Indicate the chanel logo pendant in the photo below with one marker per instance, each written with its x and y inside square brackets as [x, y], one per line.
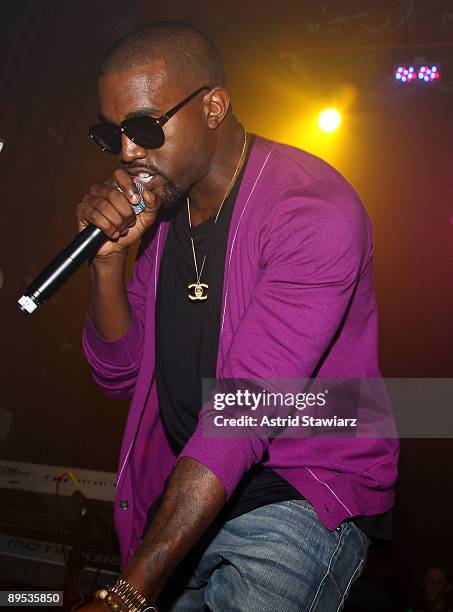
[197, 291]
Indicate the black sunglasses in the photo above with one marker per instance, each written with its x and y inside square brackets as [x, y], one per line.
[144, 131]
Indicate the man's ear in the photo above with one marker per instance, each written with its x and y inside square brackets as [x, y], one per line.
[217, 104]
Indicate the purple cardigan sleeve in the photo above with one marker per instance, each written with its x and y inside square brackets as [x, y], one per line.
[115, 364]
[313, 249]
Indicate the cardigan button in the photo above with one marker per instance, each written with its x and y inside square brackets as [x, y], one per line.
[124, 504]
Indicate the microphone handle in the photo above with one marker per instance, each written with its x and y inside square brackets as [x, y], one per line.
[84, 246]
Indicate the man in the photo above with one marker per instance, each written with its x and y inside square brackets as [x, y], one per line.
[436, 590]
[255, 261]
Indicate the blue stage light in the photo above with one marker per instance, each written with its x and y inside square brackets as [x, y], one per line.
[421, 73]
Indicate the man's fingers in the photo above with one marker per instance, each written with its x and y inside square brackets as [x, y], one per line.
[111, 203]
[108, 206]
[124, 181]
[113, 194]
[92, 213]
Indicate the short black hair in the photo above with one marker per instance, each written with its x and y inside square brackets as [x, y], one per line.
[189, 53]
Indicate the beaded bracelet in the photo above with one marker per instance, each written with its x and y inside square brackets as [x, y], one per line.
[124, 594]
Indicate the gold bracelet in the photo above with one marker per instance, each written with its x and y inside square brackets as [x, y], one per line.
[124, 594]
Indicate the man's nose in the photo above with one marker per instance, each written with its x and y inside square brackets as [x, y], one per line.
[130, 150]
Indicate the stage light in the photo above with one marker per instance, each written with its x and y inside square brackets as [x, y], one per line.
[329, 120]
[420, 73]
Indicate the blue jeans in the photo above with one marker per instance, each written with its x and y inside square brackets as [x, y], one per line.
[277, 558]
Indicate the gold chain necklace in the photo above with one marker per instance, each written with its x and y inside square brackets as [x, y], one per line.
[198, 290]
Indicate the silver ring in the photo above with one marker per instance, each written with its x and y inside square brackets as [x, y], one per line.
[137, 208]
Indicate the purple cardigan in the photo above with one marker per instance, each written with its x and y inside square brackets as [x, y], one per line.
[297, 297]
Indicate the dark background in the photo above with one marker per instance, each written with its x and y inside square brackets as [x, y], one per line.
[286, 60]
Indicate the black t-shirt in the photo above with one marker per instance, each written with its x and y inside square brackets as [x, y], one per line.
[187, 340]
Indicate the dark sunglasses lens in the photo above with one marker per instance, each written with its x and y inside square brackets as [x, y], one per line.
[145, 132]
[106, 137]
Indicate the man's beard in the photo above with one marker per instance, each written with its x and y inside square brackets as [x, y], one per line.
[172, 196]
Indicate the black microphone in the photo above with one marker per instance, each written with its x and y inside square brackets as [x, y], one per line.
[84, 246]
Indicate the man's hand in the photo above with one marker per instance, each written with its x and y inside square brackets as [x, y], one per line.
[108, 208]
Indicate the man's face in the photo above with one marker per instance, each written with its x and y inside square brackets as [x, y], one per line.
[435, 585]
[183, 159]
